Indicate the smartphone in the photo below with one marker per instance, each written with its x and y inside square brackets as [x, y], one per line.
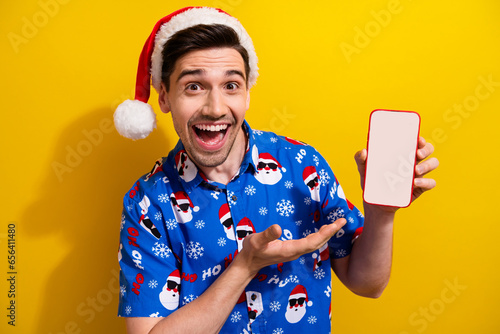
[390, 164]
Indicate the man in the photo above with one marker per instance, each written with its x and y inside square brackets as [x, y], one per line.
[237, 229]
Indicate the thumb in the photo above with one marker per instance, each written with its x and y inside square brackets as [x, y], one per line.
[360, 158]
[271, 233]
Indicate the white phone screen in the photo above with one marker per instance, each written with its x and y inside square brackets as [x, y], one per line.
[390, 164]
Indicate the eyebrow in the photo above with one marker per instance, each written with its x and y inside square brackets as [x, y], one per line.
[200, 72]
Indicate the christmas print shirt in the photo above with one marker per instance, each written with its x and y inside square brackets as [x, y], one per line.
[180, 231]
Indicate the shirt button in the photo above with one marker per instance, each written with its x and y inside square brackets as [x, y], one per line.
[234, 198]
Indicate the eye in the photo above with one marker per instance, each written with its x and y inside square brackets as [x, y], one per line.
[231, 86]
[193, 87]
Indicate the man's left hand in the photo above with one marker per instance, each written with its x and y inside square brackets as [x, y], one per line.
[424, 166]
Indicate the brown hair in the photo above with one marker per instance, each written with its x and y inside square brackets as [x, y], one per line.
[199, 37]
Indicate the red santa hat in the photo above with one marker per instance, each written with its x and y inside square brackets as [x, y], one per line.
[245, 224]
[224, 213]
[182, 198]
[300, 292]
[268, 158]
[175, 276]
[309, 174]
[135, 119]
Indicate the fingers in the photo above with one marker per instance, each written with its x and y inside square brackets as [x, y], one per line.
[316, 240]
[426, 167]
[424, 150]
[424, 184]
[260, 240]
[360, 158]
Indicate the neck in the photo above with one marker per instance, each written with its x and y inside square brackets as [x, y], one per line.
[225, 172]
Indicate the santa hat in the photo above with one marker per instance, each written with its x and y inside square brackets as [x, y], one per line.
[175, 276]
[268, 158]
[309, 174]
[182, 198]
[300, 292]
[224, 213]
[135, 119]
[245, 224]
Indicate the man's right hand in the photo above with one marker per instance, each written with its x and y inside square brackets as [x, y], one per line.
[264, 249]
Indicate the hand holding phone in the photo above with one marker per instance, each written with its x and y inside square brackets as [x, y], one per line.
[390, 163]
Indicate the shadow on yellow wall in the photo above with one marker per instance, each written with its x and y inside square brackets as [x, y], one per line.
[79, 205]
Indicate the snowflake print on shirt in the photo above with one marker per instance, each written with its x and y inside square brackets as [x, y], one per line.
[288, 185]
[221, 242]
[161, 250]
[263, 211]
[319, 273]
[123, 290]
[171, 224]
[188, 299]
[153, 284]
[274, 306]
[158, 215]
[163, 198]
[312, 319]
[128, 310]
[285, 208]
[250, 190]
[231, 198]
[324, 178]
[341, 253]
[316, 159]
[334, 215]
[236, 316]
[278, 331]
[194, 250]
[199, 224]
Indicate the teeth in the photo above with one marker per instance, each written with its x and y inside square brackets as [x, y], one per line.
[205, 127]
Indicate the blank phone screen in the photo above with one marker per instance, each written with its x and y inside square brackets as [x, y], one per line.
[390, 164]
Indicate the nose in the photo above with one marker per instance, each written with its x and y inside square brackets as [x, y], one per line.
[215, 106]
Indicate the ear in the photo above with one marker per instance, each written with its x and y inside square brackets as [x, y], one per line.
[163, 99]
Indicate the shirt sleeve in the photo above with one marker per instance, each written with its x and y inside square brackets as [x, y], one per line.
[145, 259]
[335, 205]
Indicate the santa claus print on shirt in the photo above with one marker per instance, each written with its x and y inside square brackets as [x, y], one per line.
[144, 220]
[169, 295]
[254, 305]
[324, 254]
[243, 229]
[268, 168]
[183, 207]
[186, 168]
[298, 301]
[227, 221]
[311, 179]
[158, 167]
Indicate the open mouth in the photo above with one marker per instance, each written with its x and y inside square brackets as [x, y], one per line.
[211, 135]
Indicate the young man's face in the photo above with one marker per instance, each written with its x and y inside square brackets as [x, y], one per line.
[208, 98]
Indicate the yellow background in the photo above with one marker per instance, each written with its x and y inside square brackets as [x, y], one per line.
[323, 68]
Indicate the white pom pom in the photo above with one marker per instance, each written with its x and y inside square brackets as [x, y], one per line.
[309, 303]
[134, 119]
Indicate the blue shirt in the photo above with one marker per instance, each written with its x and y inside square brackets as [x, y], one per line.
[180, 231]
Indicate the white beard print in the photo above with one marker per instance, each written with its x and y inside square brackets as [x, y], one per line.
[295, 314]
[169, 299]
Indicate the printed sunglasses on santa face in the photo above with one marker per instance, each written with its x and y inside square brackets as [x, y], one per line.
[313, 183]
[263, 165]
[243, 233]
[184, 207]
[294, 301]
[171, 285]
